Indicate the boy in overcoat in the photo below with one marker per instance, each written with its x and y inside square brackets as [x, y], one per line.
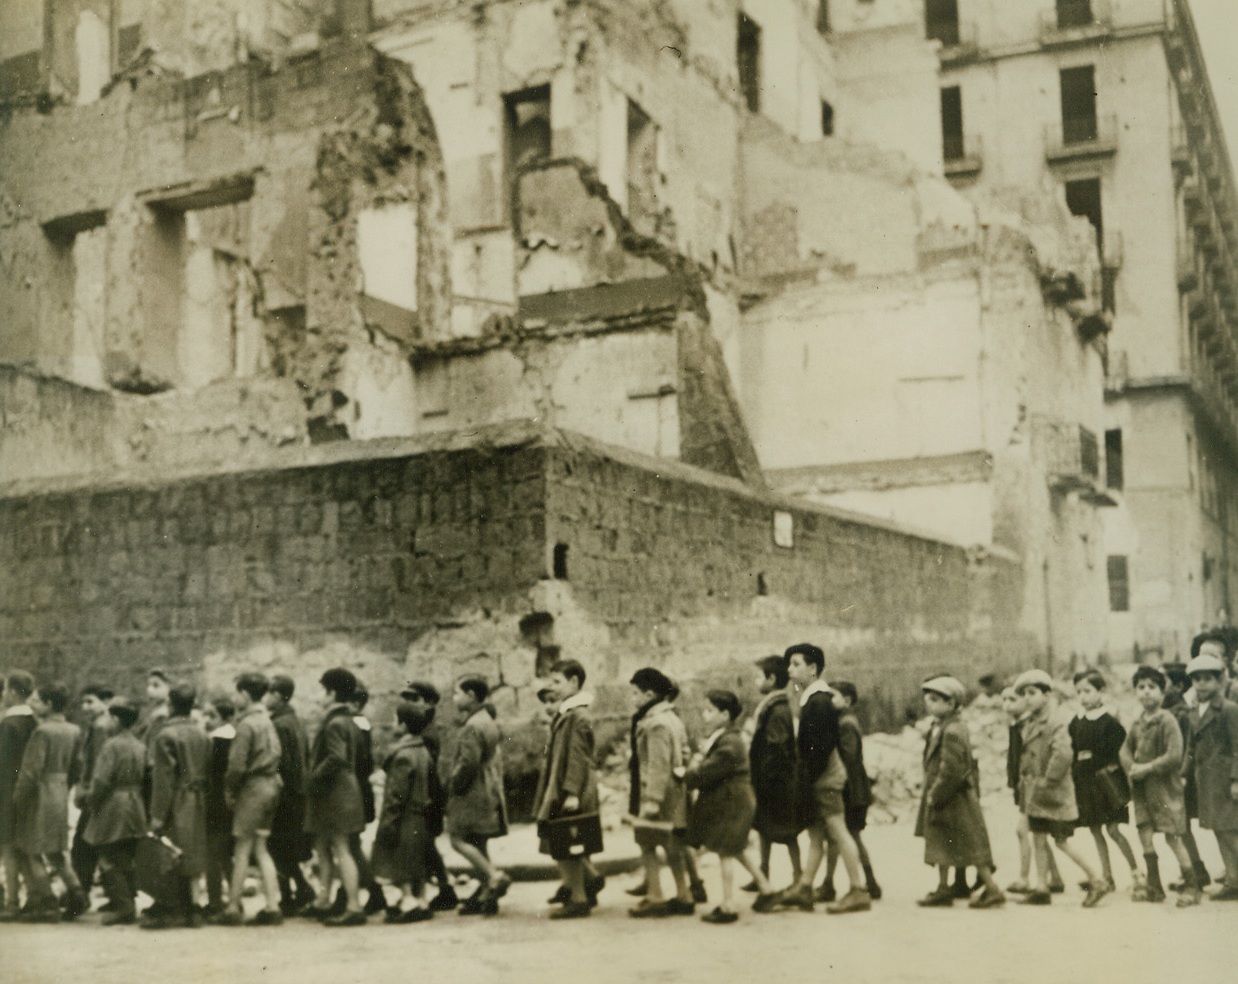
[425, 696]
[476, 804]
[568, 784]
[117, 813]
[48, 771]
[181, 753]
[820, 780]
[1046, 789]
[16, 726]
[333, 811]
[98, 729]
[950, 819]
[1214, 759]
[771, 761]
[375, 901]
[1177, 685]
[289, 844]
[217, 718]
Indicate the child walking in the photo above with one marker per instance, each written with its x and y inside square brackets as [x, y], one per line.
[1101, 790]
[1177, 685]
[217, 716]
[950, 819]
[1214, 762]
[721, 816]
[1046, 792]
[1152, 757]
[771, 760]
[857, 794]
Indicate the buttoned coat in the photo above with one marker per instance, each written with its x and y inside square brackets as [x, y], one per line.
[288, 828]
[476, 803]
[403, 838]
[114, 798]
[1155, 740]
[15, 732]
[180, 758]
[661, 748]
[771, 763]
[569, 768]
[950, 818]
[1213, 757]
[333, 795]
[48, 770]
[1046, 789]
[721, 816]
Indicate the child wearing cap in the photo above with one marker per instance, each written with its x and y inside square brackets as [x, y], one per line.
[1046, 791]
[1152, 757]
[1214, 760]
[1177, 687]
[425, 696]
[950, 819]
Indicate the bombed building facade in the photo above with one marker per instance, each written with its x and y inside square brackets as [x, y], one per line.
[431, 337]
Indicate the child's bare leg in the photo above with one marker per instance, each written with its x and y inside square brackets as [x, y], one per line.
[749, 860]
[1184, 860]
[985, 871]
[574, 877]
[653, 874]
[726, 869]
[1025, 851]
[326, 872]
[1102, 850]
[840, 838]
[831, 863]
[816, 851]
[1064, 845]
[943, 878]
[766, 847]
[1114, 831]
[683, 868]
[1040, 846]
[793, 854]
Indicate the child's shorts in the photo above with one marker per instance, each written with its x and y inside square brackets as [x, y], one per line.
[255, 806]
[1057, 829]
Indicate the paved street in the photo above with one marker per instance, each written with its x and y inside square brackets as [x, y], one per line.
[898, 942]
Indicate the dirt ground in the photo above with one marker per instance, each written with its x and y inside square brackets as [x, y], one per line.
[897, 942]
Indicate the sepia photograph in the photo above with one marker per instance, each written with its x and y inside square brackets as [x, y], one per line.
[538, 491]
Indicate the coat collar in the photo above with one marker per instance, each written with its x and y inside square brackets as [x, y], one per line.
[19, 710]
[660, 709]
[818, 686]
[579, 699]
[1211, 710]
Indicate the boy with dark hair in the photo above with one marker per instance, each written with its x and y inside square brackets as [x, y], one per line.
[424, 696]
[16, 727]
[771, 762]
[251, 787]
[117, 814]
[1213, 758]
[289, 845]
[333, 810]
[1177, 686]
[41, 800]
[157, 710]
[375, 901]
[857, 794]
[217, 717]
[181, 753]
[820, 780]
[98, 729]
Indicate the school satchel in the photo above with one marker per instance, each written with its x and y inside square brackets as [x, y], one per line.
[1114, 790]
[155, 862]
[572, 836]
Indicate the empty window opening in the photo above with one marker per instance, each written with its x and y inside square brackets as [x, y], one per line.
[527, 127]
[762, 586]
[748, 56]
[642, 169]
[1084, 200]
[1074, 13]
[827, 119]
[560, 562]
[1119, 584]
[952, 143]
[537, 631]
[77, 301]
[93, 40]
[1114, 477]
[823, 16]
[128, 44]
[1078, 104]
[941, 21]
[387, 252]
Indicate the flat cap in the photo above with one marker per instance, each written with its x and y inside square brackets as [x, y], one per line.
[946, 686]
[1205, 663]
[1033, 678]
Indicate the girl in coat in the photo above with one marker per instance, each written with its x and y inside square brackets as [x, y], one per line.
[476, 805]
[403, 840]
[721, 816]
[48, 770]
[333, 807]
[117, 813]
[1096, 737]
[1152, 757]
[950, 820]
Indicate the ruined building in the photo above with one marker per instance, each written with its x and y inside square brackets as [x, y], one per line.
[432, 337]
[1109, 103]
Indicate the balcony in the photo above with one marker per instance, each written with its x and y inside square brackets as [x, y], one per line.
[1080, 137]
[1070, 452]
[958, 39]
[1188, 268]
[963, 155]
[1192, 196]
[1075, 22]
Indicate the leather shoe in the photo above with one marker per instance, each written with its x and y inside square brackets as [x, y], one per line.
[573, 910]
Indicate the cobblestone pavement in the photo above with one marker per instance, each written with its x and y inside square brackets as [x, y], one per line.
[897, 942]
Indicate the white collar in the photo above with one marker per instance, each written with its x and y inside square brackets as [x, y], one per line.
[361, 721]
[19, 710]
[224, 731]
[709, 742]
[578, 699]
[818, 686]
[1095, 714]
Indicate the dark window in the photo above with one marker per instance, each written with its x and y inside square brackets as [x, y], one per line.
[128, 44]
[952, 123]
[941, 21]
[560, 562]
[1078, 104]
[823, 16]
[1114, 478]
[827, 119]
[1083, 199]
[1119, 584]
[528, 126]
[748, 55]
[20, 74]
[1074, 13]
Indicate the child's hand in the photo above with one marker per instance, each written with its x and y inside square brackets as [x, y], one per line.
[571, 804]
